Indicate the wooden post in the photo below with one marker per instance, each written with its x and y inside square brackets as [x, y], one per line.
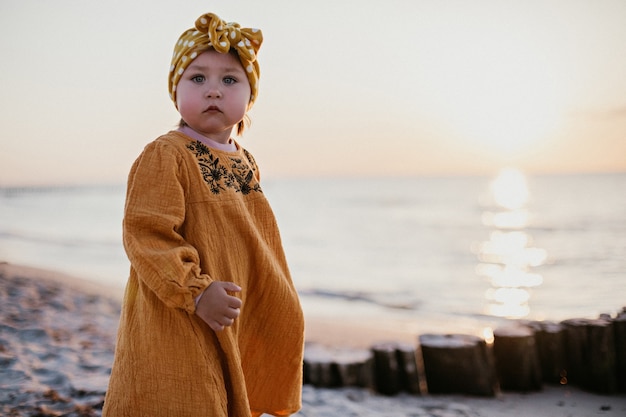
[456, 363]
[576, 345]
[395, 368]
[409, 372]
[337, 367]
[591, 359]
[619, 325]
[517, 361]
[386, 369]
[317, 369]
[354, 367]
[550, 340]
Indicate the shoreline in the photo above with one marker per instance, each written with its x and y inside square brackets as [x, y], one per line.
[57, 335]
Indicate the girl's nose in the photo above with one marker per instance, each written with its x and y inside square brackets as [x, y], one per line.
[213, 91]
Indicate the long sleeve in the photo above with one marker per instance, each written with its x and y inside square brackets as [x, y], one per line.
[154, 215]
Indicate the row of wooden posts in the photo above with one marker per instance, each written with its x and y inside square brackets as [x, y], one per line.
[587, 353]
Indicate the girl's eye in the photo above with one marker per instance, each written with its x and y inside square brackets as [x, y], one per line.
[197, 78]
[229, 80]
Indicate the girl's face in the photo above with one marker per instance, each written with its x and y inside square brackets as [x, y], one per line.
[213, 95]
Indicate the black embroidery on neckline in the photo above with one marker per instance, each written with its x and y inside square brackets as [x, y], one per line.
[218, 177]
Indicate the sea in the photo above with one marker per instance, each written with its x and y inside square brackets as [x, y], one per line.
[423, 254]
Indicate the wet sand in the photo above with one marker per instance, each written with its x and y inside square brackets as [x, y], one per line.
[57, 337]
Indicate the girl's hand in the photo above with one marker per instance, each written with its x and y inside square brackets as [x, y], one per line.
[216, 307]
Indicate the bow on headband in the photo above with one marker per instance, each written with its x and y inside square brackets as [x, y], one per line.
[213, 32]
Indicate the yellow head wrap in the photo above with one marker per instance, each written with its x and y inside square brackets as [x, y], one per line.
[213, 32]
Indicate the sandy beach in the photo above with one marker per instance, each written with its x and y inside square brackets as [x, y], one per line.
[57, 337]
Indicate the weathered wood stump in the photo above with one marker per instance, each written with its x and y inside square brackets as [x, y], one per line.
[457, 363]
[591, 358]
[619, 325]
[395, 368]
[517, 359]
[317, 369]
[550, 340]
[386, 369]
[409, 370]
[337, 367]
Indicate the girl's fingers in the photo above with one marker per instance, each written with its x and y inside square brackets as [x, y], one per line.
[220, 325]
[233, 313]
[234, 302]
[231, 286]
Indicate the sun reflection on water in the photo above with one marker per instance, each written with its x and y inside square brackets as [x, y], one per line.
[507, 258]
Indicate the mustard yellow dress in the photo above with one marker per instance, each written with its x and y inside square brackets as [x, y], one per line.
[195, 215]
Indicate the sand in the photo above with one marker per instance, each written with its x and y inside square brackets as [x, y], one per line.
[57, 337]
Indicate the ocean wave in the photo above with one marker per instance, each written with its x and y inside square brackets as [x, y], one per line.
[388, 300]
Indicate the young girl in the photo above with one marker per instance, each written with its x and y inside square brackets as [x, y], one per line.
[211, 323]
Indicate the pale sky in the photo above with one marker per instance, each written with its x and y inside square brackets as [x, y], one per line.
[358, 87]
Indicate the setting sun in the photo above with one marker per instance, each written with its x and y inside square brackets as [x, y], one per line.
[502, 91]
[509, 189]
[508, 108]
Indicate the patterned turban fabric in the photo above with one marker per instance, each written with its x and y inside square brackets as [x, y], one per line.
[212, 32]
